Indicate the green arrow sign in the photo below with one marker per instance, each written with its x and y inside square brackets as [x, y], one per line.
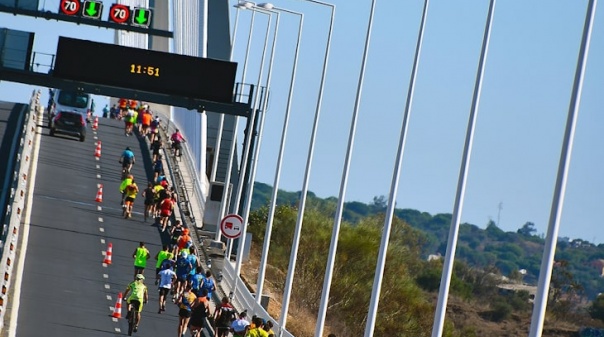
[92, 9]
[141, 17]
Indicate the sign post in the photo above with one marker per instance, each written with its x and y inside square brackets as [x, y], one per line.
[231, 226]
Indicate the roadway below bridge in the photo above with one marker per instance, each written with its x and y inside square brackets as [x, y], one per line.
[65, 289]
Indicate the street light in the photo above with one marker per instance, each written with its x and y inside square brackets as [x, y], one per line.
[273, 202]
[298, 229]
[227, 182]
[257, 105]
[221, 117]
[379, 270]
[445, 279]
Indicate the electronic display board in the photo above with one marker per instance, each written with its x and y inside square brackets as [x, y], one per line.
[146, 70]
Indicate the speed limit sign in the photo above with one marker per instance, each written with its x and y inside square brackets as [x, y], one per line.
[231, 226]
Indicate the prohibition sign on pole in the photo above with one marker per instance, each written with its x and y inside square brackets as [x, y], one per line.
[231, 226]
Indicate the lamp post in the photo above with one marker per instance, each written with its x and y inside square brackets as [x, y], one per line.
[257, 105]
[221, 117]
[273, 201]
[445, 280]
[227, 181]
[298, 228]
[547, 261]
[379, 270]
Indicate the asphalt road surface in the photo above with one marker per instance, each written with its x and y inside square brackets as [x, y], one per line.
[65, 289]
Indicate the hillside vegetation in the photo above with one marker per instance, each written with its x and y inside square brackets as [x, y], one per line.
[410, 283]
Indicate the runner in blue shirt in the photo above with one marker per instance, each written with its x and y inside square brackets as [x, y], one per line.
[183, 268]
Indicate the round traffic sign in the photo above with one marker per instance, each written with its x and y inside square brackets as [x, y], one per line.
[70, 7]
[231, 226]
[119, 13]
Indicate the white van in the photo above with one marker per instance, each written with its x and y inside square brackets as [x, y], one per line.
[72, 101]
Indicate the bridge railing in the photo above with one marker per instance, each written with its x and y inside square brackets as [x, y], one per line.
[15, 204]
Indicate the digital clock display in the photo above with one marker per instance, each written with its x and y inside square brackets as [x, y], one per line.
[145, 70]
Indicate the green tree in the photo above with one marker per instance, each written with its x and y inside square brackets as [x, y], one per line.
[527, 229]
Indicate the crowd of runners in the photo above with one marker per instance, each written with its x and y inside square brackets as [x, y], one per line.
[178, 274]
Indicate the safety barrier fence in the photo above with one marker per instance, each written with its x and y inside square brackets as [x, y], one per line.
[16, 202]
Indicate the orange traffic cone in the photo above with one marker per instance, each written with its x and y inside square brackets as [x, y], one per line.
[99, 194]
[117, 310]
[95, 124]
[108, 254]
[97, 151]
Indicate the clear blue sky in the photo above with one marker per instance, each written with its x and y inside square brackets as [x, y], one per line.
[521, 118]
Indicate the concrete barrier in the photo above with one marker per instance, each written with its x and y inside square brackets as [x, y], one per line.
[10, 229]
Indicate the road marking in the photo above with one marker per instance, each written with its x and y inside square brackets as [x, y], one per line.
[107, 286]
[103, 241]
[95, 137]
[104, 265]
[97, 158]
[98, 166]
[106, 276]
[103, 253]
[118, 330]
[99, 185]
[115, 320]
[98, 176]
[100, 219]
[99, 208]
[108, 297]
[102, 230]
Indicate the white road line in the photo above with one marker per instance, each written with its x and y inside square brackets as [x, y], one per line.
[95, 137]
[98, 166]
[99, 208]
[98, 176]
[107, 286]
[103, 253]
[103, 241]
[101, 229]
[105, 276]
[108, 297]
[97, 158]
[118, 330]
[115, 320]
[99, 185]
[104, 265]
[100, 219]
[18, 276]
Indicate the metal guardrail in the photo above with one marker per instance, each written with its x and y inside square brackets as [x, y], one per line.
[16, 203]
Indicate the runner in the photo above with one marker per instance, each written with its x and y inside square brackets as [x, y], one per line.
[166, 277]
[196, 280]
[146, 118]
[131, 192]
[155, 146]
[186, 303]
[223, 318]
[158, 168]
[140, 256]
[240, 326]
[149, 195]
[161, 256]
[154, 128]
[127, 181]
[199, 314]
[183, 267]
[175, 232]
[165, 206]
[127, 159]
[208, 284]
